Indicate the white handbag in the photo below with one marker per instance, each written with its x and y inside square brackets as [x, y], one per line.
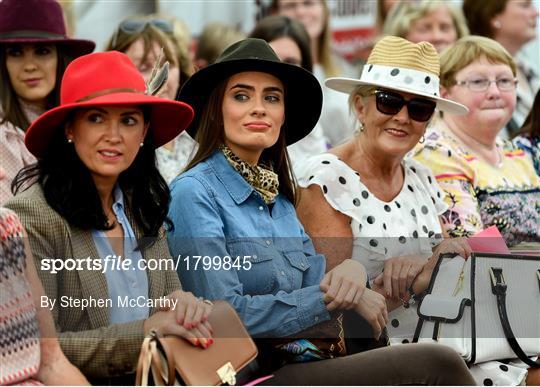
[486, 307]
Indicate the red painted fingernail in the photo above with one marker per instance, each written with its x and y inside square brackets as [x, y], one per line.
[196, 341]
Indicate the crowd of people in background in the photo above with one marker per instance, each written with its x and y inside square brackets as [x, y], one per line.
[342, 183]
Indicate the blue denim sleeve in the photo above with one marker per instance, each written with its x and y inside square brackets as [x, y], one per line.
[199, 230]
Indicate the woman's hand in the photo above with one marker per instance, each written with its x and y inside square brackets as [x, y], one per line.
[372, 307]
[190, 310]
[189, 319]
[344, 285]
[399, 274]
[421, 282]
[458, 246]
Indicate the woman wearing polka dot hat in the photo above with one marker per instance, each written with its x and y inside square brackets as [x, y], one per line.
[366, 192]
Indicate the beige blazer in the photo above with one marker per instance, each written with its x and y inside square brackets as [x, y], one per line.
[98, 349]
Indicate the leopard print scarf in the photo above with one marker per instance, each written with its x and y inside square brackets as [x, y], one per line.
[261, 177]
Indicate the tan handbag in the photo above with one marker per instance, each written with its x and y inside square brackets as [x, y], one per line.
[232, 350]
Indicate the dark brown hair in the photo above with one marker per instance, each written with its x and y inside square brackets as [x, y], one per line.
[211, 134]
[531, 126]
[276, 26]
[480, 13]
[12, 110]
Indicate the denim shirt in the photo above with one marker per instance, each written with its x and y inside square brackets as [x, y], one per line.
[273, 282]
[132, 282]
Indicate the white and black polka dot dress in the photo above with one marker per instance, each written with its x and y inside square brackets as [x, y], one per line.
[407, 225]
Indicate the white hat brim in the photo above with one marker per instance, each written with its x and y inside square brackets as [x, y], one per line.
[347, 85]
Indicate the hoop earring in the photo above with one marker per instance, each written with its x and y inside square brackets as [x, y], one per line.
[422, 140]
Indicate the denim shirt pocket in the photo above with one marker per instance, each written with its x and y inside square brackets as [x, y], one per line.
[300, 264]
[297, 259]
[258, 273]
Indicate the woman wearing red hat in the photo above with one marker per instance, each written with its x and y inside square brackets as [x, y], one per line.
[95, 214]
[34, 52]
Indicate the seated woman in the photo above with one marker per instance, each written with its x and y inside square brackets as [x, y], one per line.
[373, 203]
[34, 52]
[30, 352]
[488, 181]
[95, 226]
[234, 207]
[529, 137]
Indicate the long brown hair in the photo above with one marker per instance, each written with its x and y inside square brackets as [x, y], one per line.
[12, 110]
[479, 15]
[211, 134]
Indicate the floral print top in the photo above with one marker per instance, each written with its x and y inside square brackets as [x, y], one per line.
[479, 194]
[531, 145]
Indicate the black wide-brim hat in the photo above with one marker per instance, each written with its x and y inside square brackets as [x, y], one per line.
[303, 94]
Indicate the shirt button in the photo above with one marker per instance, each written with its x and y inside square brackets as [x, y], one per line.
[316, 318]
[282, 272]
[302, 264]
[268, 242]
[261, 208]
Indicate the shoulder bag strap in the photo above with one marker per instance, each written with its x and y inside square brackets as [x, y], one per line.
[498, 287]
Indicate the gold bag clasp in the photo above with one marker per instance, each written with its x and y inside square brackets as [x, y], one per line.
[227, 374]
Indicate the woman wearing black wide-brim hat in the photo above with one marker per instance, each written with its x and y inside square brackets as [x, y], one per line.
[234, 209]
[34, 52]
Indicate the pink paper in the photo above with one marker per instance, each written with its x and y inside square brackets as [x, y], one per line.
[259, 380]
[489, 240]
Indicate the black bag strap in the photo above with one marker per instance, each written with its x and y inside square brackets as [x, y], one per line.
[498, 287]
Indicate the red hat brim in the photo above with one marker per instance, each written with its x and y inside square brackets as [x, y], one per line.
[167, 119]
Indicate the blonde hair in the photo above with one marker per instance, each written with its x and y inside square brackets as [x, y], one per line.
[215, 38]
[468, 49]
[404, 14]
[363, 91]
[326, 58]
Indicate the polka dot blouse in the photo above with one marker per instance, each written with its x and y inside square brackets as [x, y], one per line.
[408, 224]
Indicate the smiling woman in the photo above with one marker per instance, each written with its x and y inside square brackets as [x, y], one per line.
[34, 52]
[373, 203]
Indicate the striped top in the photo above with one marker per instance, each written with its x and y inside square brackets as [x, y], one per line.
[480, 194]
[19, 331]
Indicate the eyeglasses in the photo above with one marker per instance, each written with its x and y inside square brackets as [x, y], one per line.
[135, 26]
[482, 84]
[419, 109]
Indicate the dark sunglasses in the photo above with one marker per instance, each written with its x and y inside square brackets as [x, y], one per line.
[419, 109]
[135, 26]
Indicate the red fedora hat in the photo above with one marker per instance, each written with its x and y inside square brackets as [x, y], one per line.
[105, 79]
[38, 21]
